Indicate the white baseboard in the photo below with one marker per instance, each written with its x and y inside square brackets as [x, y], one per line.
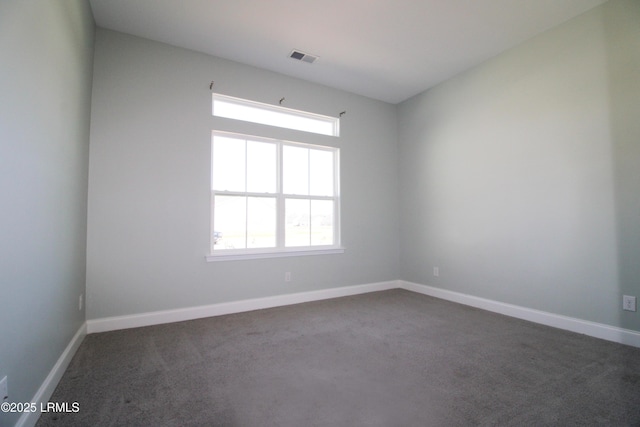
[597, 330]
[29, 419]
[190, 313]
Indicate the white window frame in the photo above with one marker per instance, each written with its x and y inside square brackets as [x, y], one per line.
[280, 250]
[273, 115]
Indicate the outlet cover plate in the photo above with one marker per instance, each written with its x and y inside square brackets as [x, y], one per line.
[628, 303]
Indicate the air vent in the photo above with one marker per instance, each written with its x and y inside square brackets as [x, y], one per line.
[304, 57]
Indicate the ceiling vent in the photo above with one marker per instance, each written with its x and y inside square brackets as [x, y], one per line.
[304, 57]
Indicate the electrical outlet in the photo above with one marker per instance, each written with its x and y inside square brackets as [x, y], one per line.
[287, 276]
[80, 302]
[628, 303]
[436, 272]
[4, 389]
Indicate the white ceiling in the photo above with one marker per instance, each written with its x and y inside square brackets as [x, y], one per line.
[384, 49]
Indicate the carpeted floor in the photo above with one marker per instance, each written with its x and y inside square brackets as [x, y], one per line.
[392, 358]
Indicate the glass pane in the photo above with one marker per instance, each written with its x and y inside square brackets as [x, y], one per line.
[261, 222]
[228, 164]
[229, 222]
[297, 223]
[295, 170]
[321, 222]
[321, 172]
[261, 167]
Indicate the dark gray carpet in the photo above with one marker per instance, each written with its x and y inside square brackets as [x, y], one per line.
[392, 358]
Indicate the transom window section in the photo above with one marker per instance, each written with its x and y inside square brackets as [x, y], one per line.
[273, 196]
[272, 115]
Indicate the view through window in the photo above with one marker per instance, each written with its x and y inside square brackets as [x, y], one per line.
[273, 195]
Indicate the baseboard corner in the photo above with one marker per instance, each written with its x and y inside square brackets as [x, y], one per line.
[29, 419]
[572, 324]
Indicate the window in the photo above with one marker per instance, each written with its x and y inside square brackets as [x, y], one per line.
[257, 112]
[273, 197]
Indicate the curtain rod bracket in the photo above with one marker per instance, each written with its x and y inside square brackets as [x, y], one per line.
[343, 113]
[211, 85]
[281, 100]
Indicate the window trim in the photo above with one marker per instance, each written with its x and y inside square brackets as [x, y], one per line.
[334, 122]
[280, 196]
[256, 254]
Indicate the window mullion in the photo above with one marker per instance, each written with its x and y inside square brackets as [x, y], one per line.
[246, 198]
[280, 205]
[336, 198]
[309, 190]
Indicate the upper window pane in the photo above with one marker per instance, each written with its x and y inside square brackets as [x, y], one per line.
[229, 160]
[261, 167]
[321, 173]
[295, 170]
[244, 165]
[257, 112]
[308, 171]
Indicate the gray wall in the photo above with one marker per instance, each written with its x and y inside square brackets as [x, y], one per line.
[149, 195]
[520, 178]
[46, 50]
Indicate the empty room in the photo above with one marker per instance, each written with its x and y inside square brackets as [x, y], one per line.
[296, 213]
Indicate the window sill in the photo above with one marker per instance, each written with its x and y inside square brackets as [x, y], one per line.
[278, 254]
